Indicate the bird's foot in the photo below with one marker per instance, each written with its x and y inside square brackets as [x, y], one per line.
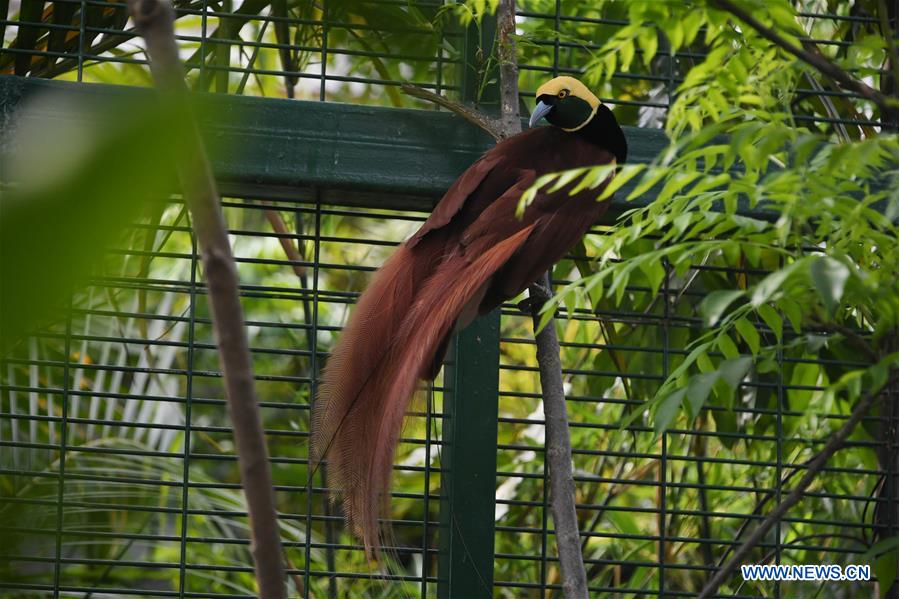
[539, 292]
[527, 305]
[537, 296]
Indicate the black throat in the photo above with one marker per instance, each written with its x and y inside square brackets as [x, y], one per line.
[603, 130]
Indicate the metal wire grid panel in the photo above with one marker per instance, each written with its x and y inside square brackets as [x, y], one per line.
[657, 514]
[561, 37]
[114, 424]
[358, 50]
[117, 443]
[361, 51]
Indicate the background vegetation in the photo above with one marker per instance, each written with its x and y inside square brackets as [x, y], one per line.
[745, 310]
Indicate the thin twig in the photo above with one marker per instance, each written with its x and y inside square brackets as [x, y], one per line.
[491, 126]
[820, 62]
[815, 466]
[290, 250]
[853, 338]
[155, 21]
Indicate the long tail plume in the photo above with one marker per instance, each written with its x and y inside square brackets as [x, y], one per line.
[388, 345]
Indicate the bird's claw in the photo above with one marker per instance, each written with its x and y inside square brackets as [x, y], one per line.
[542, 293]
[527, 305]
[537, 296]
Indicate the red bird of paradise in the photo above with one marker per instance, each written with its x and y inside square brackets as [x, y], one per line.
[471, 254]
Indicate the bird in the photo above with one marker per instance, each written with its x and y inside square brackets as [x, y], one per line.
[471, 254]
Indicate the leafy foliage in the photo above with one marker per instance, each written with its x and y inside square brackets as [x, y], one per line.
[771, 230]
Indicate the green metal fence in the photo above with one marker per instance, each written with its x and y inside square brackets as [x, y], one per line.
[117, 469]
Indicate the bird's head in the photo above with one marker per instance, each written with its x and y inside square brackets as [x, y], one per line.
[566, 103]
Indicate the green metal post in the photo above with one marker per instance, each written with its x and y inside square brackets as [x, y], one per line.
[467, 498]
[471, 382]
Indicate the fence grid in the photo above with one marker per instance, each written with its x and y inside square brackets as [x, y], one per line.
[118, 474]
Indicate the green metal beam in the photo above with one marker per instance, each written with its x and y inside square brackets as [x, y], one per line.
[280, 149]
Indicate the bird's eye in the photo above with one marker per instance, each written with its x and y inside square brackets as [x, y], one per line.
[563, 93]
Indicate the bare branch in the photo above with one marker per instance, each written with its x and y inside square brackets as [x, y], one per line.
[471, 115]
[815, 466]
[290, 250]
[155, 21]
[510, 122]
[820, 62]
[558, 449]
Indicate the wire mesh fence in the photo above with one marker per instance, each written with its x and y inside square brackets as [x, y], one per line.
[364, 51]
[118, 471]
[659, 513]
[120, 450]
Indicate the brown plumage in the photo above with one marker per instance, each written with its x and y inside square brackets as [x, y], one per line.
[471, 254]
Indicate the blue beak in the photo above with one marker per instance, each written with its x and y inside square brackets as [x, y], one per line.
[540, 111]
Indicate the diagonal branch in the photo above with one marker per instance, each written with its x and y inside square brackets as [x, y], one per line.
[155, 20]
[290, 250]
[815, 466]
[814, 59]
[471, 115]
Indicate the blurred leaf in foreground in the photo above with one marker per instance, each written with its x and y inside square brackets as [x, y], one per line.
[73, 176]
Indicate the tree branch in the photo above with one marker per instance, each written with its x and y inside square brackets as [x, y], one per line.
[820, 62]
[558, 438]
[558, 449]
[491, 126]
[510, 121]
[290, 250]
[815, 466]
[155, 21]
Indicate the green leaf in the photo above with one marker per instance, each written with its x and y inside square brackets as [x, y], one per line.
[734, 370]
[649, 43]
[698, 390]
[623, 176]
[829, 277]
[793, 312]
[749, 334]
[772, 319]
[68, 210]
[885, 571]
[725, 422]
[530, 194]
[649, 180]
[772, 284]
[879, 548]
[727, 346]
[626, 54]
[565, 178]
[715, 303]
[666, 411]
[654, 271]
